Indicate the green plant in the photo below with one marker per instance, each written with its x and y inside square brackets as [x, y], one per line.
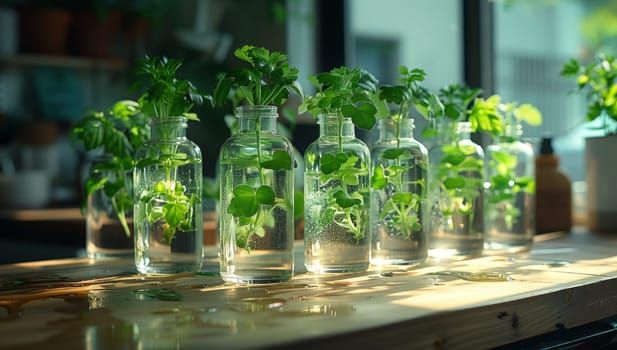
[597, 78]
[505, 184]
[346, 93]
[166, 97]
[461, 104]
[267, 81]
[402, 207]
[117, 133]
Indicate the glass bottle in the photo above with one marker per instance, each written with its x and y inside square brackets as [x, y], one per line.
[553, 192]
[336, 199]
[399, 168]
[455, 194]
[108, 228]
[509, 201]
[168, 211]
[256, 223]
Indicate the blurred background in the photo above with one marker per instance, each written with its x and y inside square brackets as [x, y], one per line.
[61, 58]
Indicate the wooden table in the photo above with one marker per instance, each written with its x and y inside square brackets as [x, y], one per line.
[567, 280]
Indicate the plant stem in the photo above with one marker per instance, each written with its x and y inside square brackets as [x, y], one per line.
[340, 134]
[121, 216]
[258, 140]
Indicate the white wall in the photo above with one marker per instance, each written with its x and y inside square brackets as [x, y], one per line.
[429, 31]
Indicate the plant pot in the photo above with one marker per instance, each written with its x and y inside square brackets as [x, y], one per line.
[601, 171]
[44, 30]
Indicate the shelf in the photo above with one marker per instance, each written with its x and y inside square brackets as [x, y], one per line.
[63, 61]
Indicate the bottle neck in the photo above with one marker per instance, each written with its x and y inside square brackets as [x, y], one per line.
[451, 131]
[168, 129]
[253, 119]
[335, 125]
[395, 129]
[511, 132]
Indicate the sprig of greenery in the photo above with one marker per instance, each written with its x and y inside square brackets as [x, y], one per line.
[165, 96]
[408, 94]
[346, 92]
[461, 103]
[117, 133]
[598, 78]
[267, 81]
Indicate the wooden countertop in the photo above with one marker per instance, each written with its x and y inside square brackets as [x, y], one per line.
[566, 280]
[65, 225]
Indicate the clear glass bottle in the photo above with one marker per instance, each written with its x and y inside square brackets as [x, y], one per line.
[336, 199]
[168, 211]
[455, 194]
[399, 168]
[509, 201]
[108, 232]
[256, 221]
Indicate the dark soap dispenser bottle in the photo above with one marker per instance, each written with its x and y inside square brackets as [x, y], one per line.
[553, 192]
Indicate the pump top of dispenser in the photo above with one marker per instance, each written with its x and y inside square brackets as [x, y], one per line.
[547, 155]
[546, 147]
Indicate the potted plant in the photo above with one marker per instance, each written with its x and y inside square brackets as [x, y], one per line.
[399, 174]
[456, 164]
[168, 174]
[597, 79]
[111, 138]
[336, 192]
[509, 198]
[256, 170]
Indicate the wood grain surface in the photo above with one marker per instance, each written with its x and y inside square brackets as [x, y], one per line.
[565, 281]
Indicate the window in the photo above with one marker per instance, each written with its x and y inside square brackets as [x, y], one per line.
[533, 39]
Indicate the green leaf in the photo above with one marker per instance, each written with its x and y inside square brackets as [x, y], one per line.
[392, 153]
[93, 184]
[265, 195]
[454, 183]
[402, 198]
[174, 213]
[281, 160]
[328, 163]
[500, 182]
[505, 159]
[453, 158]
[244, 203]
[378, 180]
[111, 188]
[267, 81]
[344, 200]
[327, 217]
[528, 113]
[363, 116]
